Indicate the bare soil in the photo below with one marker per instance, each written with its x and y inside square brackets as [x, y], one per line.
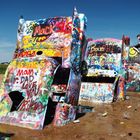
[116, 121]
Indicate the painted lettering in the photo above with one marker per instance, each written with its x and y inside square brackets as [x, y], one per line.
[31, 105]
[48, 28]
[26, 54]
[25, 72]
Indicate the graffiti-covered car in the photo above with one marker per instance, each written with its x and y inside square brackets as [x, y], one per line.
[41, 69]
[104, 80]
[133, 81]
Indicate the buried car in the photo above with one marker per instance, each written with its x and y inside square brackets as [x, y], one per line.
[41, 69]
[104, 81]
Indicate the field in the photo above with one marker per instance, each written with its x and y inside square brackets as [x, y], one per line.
[3, 67]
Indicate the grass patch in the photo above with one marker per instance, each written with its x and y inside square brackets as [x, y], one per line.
[3, 68]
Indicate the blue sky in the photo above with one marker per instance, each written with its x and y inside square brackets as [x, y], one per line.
[106, 18]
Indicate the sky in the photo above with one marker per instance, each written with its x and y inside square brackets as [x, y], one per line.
[106, 18]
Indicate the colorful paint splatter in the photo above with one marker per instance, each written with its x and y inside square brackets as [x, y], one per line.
[79, 25]
[64, 114]
[43, 46]
[133, 81]
[104, 80]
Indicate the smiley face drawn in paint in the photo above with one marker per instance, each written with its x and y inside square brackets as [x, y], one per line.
[133, 52]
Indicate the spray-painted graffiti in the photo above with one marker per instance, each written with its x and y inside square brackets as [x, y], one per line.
[52, 36]
[104, 57]
[42, 46]
[96, 92]
[32, 105]
[104, 80]
[64, 114]
[133, 82]
[24, 118]
[79, 24]
[42, 52]
[53, 25]
[73, 89]
[30, 77]
[134, 55]
[99, 49]
[133, 76]
[26, 79]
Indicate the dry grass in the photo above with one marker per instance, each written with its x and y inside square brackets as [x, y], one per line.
[1, 76]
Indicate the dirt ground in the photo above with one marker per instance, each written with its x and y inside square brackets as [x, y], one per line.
[116, 121]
